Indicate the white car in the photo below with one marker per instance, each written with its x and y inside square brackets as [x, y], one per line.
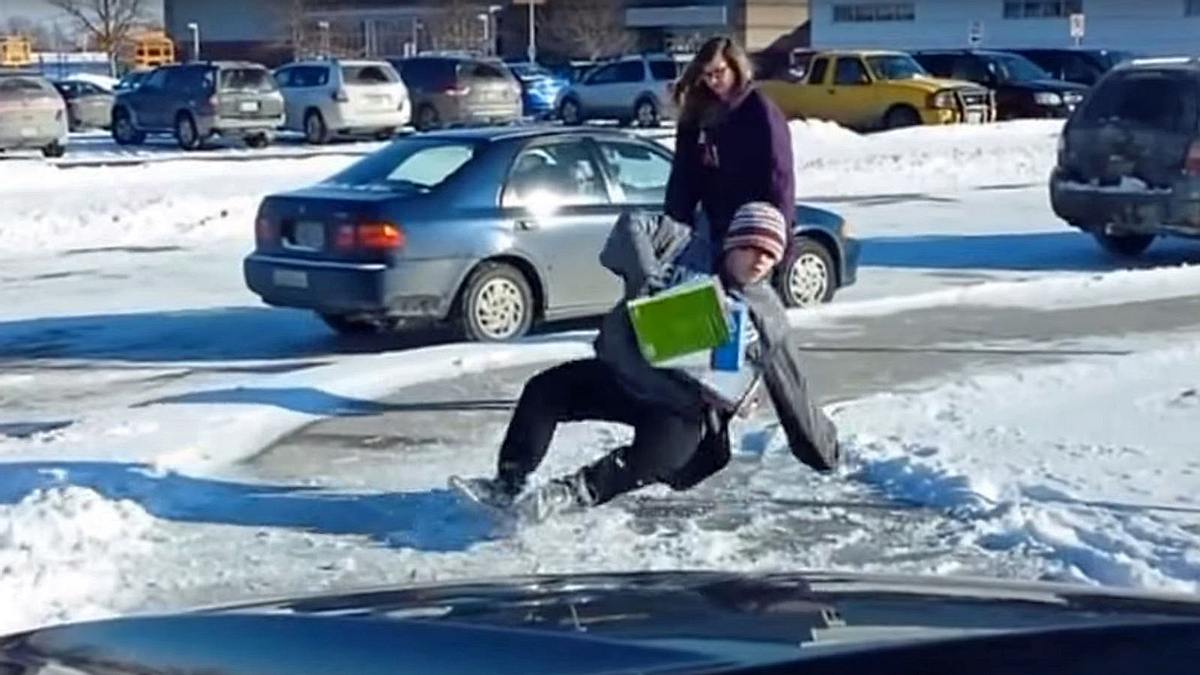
[633, 89]
[327, 98]
[32, 114]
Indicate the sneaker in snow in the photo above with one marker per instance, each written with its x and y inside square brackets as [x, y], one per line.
[487, 491]
[560, 495]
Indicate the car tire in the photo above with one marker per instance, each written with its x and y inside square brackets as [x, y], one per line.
[901, 116]
[124, 131]
[258, 141]
[808, 276]
[570, 113]
[645, 113]
[496, 304]
[186, 133]
[54, 150]
[316, 132]
[427, 118]
[1123, 245]
[346, 325]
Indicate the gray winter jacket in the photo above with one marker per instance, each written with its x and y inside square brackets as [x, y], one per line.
[654, 252]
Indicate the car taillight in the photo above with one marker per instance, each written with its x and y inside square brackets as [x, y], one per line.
[1192, 165]
[370, 236]
[457, 91]
[341, 96]
[58, 115]
[264, 229]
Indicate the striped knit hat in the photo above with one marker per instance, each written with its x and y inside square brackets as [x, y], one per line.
[760, 225]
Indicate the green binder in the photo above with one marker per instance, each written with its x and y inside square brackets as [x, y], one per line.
[680, 320]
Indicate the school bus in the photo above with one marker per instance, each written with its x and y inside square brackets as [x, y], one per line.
[15, 50]
[153, 49]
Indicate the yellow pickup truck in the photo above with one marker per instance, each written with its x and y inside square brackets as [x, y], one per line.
[876, 90]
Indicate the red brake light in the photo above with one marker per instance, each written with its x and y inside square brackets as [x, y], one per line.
[1192, 165]
[370, 236]
[380, 236]
[264, 229]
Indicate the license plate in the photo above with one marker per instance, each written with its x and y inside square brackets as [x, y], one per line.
[309, 235]
[248, 106]
[290, 278]
[27, 132]
[379, 100]
[974, 117]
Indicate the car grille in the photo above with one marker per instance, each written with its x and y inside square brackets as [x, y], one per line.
[974, 97]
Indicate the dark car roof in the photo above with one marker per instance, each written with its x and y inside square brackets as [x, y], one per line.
[652, 622]
[977, 52]
[500, 133]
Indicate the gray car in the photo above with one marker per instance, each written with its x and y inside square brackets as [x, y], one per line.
[632, 90]
[88, 106]
[197, 101]
[1129, 159]
[32, 114]
[459, 90]
[491, 230]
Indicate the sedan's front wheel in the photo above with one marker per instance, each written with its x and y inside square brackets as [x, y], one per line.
[807, 276]
[496, 304]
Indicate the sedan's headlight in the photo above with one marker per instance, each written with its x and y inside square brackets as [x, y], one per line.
[943, 99]
[1047, 98]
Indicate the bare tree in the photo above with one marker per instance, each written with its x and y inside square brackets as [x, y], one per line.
[306, 37]
[457, 26]
[109, 24]
[590, 28]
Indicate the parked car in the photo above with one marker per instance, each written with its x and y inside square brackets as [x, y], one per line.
[88, 106]
[492, 230]
[1129, 160]
[539, 88]
[32, 114]
[1022, 88]
[1079, 65]
[647, 622]
[340, 98]
[199, 100]
[459, 90]
[875, 90]
[632, 90]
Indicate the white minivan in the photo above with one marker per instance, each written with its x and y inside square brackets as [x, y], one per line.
[327, 98]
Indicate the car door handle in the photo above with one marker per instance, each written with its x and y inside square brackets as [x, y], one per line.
[526, 224]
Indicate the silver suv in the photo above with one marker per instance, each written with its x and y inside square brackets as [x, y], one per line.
[197, 101]
[634, 89]
[332, 97]
[451, 90]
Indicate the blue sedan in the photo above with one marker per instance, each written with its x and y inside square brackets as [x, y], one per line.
[539, 88]
[492, 230]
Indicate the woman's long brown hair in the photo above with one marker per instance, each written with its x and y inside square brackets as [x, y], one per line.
[692, 96]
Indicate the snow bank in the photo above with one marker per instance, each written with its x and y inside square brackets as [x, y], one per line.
[50, 208]
[832, 161]
[65, 553]
[1090, 465]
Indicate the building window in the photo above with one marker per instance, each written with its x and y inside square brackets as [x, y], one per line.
[874, 11]
[1191, 8]
[1042, 9]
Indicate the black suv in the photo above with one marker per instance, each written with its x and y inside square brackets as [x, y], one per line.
[199, 100]
[1078, 65]
[1022, 88]
[1129, 159]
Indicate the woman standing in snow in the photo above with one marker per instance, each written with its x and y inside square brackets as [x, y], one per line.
[733, 144]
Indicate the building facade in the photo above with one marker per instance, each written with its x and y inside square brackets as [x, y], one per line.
[270, 31]
[1151, 27]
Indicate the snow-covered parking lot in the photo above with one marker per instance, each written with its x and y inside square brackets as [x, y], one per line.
[1014, 401]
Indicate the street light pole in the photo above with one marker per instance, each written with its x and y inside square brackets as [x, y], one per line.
[487, 24]
[531, 51]
[195, 30]
[323, 26]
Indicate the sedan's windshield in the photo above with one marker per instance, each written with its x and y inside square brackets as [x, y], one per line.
[895, 67]
[1013, 68]
[410, 164]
